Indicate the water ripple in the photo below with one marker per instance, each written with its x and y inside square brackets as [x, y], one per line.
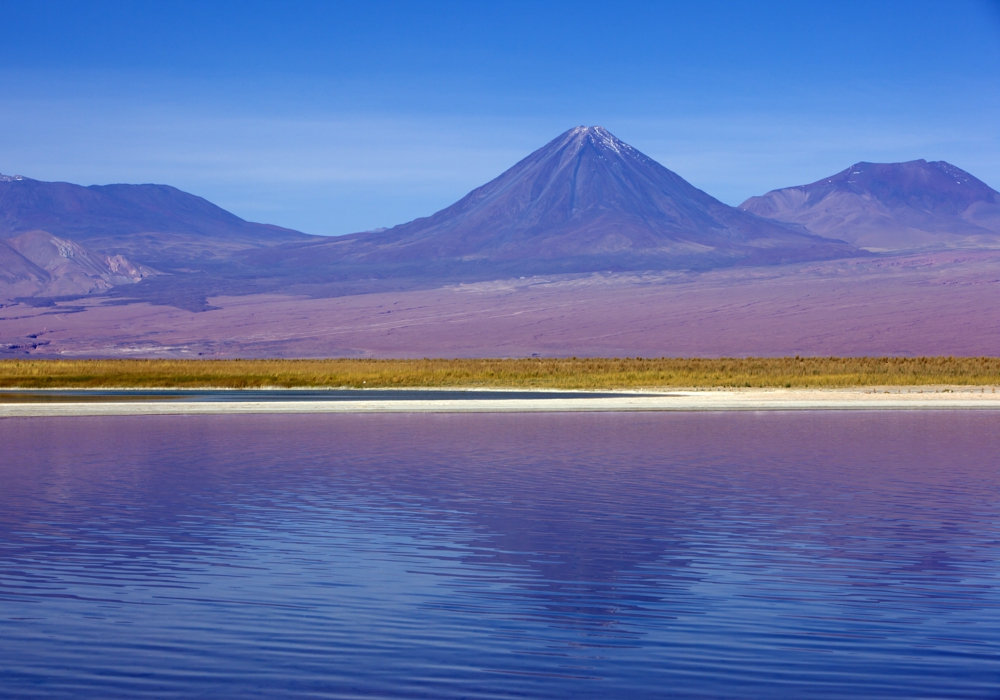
[496, 556]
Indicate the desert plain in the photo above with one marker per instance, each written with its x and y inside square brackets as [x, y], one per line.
[922, 304]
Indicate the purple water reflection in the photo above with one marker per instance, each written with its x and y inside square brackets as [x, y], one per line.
[583, 555]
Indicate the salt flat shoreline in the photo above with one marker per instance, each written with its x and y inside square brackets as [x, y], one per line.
[894, 398]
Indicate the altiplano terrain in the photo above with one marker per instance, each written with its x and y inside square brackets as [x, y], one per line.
[585, 247]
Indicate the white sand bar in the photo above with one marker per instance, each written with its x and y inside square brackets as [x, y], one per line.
[708, 400]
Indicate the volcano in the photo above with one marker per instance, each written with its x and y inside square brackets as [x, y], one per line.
[892, 207]
[584, 202]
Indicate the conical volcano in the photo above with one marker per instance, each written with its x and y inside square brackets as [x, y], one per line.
[586, 201]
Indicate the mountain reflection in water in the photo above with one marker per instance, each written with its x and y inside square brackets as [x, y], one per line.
[541, 555]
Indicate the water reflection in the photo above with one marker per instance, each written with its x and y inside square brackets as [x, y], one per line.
[501, 555]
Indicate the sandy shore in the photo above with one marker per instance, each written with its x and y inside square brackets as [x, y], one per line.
[709, 400]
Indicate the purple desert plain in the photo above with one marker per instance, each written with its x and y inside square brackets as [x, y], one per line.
[585, 247]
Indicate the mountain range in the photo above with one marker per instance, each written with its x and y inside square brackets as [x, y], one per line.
[585, 206]
[585, 202]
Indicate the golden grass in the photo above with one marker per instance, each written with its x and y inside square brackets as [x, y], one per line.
[567, 373]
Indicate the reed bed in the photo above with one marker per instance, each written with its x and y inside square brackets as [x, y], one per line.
[538, 373]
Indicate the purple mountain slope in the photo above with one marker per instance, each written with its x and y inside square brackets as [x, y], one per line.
[156, 225]
[891, 206]
[586, 201]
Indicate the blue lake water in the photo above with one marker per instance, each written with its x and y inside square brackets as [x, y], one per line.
[740, 555]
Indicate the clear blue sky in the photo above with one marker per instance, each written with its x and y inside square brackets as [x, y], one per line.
[338, 117]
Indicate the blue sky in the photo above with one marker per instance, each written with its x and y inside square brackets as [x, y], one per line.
[338, 117]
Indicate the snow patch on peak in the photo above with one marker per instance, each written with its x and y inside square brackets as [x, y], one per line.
[10, 178]
[607, 146]
[949, 169]
[605, 140]
[609, 141]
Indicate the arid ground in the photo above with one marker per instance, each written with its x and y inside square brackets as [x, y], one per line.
[943, 303]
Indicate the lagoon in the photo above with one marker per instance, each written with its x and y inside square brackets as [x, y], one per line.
[740, 554]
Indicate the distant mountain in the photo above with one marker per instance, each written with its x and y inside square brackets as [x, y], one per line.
[584, 202]
[39, 264]
[156, 225]
[891, 206]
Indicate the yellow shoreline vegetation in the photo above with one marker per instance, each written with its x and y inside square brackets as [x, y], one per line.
[535, 373]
